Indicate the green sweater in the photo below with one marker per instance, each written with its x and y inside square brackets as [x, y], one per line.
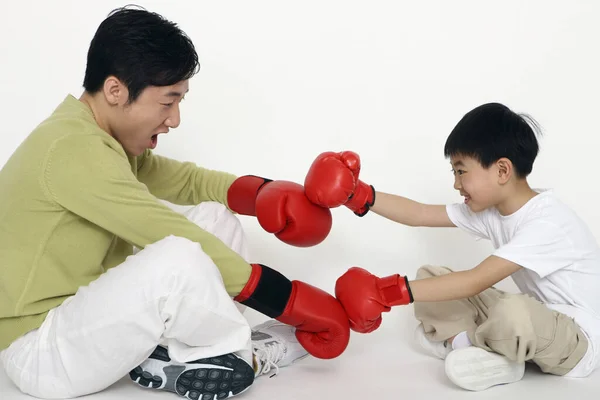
[73, 204]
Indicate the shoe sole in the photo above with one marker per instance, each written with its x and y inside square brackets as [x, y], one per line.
[213, 378]
[476, 369]
[434, 349]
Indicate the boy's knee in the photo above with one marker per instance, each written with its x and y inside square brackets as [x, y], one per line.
[511, 310]
[506, 305]
[427, 271]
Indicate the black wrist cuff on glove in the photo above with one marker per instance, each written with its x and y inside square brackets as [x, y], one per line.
[267, 291]
[410, 295]
[368, 205]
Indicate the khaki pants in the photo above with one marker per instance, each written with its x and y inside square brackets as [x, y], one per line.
[514, 325]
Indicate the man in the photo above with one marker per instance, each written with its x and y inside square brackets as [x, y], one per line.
[78, 309]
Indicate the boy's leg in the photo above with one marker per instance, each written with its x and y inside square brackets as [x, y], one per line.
[169, 291]
[518, 329]
[506, 330]
[523, 329]
[443, 320]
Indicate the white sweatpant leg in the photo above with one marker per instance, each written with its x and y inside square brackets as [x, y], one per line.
[169, 292]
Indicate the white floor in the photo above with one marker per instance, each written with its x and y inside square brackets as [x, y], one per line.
[381, 365]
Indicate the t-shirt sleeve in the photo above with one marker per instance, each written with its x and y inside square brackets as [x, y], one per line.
[474, 223]
[539, 246]
[90, 179]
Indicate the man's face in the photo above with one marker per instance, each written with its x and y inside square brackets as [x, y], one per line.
[137, 125]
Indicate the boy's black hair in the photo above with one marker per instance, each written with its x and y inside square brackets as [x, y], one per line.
[141, 49]
[493, 131]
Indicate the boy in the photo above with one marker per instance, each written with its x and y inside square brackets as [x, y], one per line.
[78, 309]
[484, 334]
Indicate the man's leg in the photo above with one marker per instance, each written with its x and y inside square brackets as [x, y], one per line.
[169, 291]
[215, 218]
[218, 220]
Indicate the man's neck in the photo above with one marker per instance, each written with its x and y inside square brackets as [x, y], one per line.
[98, 110]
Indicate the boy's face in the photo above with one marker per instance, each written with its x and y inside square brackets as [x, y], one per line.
[137, 125]
[479, 186]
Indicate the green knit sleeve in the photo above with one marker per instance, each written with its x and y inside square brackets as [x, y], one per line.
[89, 178]
[182, 183]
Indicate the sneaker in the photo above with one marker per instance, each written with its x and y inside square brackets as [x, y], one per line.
[474, 368]
[213, 378]
[436, 349]
[275, 345]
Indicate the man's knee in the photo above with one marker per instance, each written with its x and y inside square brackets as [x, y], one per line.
[217, 219]
[212, 213]
[177, 256]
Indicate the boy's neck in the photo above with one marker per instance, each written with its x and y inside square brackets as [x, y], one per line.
[516, 198]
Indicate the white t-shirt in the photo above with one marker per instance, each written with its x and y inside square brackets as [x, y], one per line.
[559, 255]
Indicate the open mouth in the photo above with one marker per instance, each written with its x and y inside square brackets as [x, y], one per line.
[153, 141]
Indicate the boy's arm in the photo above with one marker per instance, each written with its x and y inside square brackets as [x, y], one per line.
[333, 180]
[463, 284]
[365, 296]
[182, 183]
[409, 212]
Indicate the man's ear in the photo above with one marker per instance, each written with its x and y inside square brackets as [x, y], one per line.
[505, 170]
[115, 92]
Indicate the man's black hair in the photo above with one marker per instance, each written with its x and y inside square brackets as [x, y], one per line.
[141, 49]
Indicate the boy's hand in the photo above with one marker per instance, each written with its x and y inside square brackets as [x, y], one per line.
[364, 296]
[332, 181]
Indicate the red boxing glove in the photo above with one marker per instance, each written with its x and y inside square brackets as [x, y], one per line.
[365, 296]
[322, 326]
[281, 208]
[332, 181]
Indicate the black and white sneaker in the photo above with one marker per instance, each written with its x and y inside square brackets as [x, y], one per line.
[213, 378]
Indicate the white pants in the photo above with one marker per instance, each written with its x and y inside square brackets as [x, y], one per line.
[171, 292]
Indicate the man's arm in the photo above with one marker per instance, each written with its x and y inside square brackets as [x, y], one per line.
[87, 177]
[409, 212]
[182, 183]
[463, 284]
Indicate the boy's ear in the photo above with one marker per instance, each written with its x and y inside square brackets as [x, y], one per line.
[505, 170]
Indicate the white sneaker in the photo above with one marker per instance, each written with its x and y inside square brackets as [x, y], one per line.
[213, 378]
[474, 368]
[275, 345]
[436, 349]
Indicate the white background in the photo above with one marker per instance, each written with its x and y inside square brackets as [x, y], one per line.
[282, 81]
